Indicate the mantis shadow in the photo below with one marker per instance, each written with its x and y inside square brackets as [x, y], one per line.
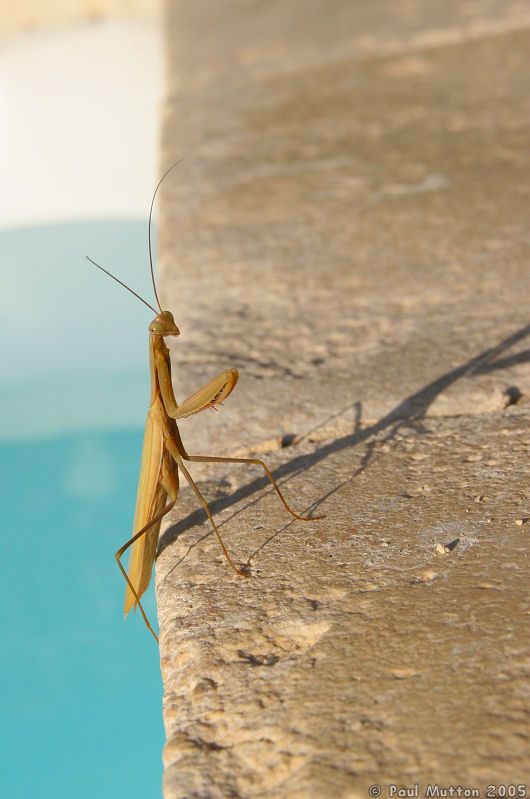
[408, 414]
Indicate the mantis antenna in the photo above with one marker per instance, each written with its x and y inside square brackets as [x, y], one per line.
[125, 286]
[149, 227]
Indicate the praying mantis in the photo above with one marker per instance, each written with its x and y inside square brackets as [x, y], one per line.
[164, 454]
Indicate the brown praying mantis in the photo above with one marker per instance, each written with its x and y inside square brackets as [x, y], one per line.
[163, 452]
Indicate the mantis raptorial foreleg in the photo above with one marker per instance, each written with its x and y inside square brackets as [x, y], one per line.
[171, 488]
[191, 481]
[256, 462]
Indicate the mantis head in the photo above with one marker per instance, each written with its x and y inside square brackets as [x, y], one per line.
[164, 325]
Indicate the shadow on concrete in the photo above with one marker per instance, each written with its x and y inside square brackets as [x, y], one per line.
[407, 415]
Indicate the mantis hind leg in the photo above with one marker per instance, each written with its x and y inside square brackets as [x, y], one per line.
[172, 490]
[187, 475]
[256, 462]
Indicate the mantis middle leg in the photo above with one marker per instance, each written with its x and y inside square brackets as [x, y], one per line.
[256, 462]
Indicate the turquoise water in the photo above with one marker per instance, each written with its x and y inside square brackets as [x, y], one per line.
[81, 689]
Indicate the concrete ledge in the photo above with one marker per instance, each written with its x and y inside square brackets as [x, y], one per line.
[349, 229]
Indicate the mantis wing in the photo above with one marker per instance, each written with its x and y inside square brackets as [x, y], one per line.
[209, 395]
[150, 501]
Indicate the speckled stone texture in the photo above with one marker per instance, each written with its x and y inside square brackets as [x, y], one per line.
[349, 228]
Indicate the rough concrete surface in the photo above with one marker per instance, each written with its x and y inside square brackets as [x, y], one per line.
[349, 228]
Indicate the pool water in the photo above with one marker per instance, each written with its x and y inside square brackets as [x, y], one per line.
[81, 689]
